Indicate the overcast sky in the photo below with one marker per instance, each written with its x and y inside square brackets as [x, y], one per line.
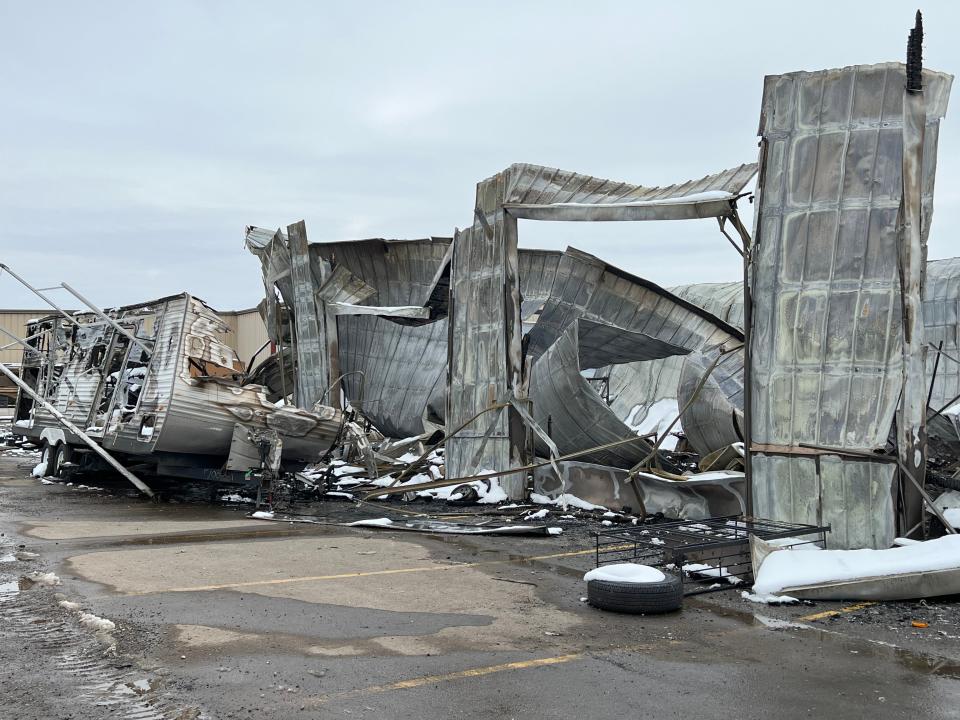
[138, 139]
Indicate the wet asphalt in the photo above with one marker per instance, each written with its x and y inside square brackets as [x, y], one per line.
[223, 617]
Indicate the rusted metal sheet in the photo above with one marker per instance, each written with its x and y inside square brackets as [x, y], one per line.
[826, 336]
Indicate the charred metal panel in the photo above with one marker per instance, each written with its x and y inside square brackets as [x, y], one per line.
[586, 287]
[826, 331]
[941, 314]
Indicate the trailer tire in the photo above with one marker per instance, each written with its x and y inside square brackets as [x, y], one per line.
[636, 598]
[48, 455]
[61, 455]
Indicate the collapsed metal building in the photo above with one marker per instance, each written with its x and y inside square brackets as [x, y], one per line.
[586, 330]
[811, 385]
[815, 363]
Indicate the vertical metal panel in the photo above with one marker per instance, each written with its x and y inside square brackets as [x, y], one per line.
[826, 327]
[478, 374]
[312, 371]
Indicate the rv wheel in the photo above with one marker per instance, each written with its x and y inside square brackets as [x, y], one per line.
[48, 456]
[61, 454]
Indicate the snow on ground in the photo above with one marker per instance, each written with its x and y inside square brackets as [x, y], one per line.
[786, 568]
[768, 599]
[97, 624]
[489, 492]
[262, 515]
[565, 500]
[374, 522]
[236, 498]
[43, 578]
[626, 573]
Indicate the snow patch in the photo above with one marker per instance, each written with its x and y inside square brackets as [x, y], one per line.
[40, 578]
[97, 624]
[785, 568]
[375, 522]
[236, 498]
[626, 573]
[565, 500]
[769, 599]
[262, 515]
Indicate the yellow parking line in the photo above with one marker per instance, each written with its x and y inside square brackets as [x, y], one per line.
[370, 573]
[481, 671]
[832, 613]
[446, 677]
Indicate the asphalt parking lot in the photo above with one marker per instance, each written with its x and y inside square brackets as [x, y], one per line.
[218, 615]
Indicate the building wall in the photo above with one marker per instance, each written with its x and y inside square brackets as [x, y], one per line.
[247, 333]
[15, 321]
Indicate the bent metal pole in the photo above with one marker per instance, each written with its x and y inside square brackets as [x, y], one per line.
[137, 482]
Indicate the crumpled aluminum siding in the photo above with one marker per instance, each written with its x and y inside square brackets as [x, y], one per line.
[586, 287]
[404, 366]
[486, 361]
[401, 365]
[725, 300]
[826, 356]
[564, 402]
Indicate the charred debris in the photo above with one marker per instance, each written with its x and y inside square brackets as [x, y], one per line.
[819, 391]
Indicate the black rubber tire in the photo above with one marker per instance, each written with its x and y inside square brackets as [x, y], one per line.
[48, 452]
[61, 454]
[647, 598]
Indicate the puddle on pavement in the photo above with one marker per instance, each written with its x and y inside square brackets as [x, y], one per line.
[919, 662]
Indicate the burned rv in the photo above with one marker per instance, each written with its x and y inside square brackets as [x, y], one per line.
[156, 386]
